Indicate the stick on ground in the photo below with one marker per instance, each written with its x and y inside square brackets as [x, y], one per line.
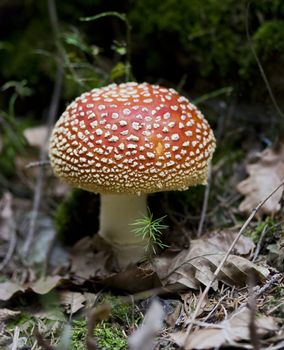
[217, 271]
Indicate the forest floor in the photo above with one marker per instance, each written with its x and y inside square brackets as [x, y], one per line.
[218, 282]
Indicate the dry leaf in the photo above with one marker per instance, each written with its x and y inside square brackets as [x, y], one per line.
[41, 286]
[36, 136]
[87, 264]
[196, 266]
[45, 284]
[227, 332]
[144, 337]
[6, 314]
[8, 289]
[72, 301]
[264, 176]
[224, 238]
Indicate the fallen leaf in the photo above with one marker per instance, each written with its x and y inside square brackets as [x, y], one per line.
[8, 289]
[72, 301]
[227, 332]
[224, 238]
[45, 284]
[42, 286]
[144, 337]
[6, 314]
[264, 176]
[36, 136]
[196, 266]
[88, 264]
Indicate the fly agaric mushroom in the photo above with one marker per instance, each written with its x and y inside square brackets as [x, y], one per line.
[124, 141]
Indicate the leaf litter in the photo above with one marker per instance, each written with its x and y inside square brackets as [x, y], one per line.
[228, 332]
[195, 267]
[90, 269]
[264, 175]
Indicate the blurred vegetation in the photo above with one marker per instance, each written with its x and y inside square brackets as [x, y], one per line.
[68, 217]
[205, 41]
[199, 47]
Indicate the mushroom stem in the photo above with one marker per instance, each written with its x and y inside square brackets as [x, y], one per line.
[117, 213]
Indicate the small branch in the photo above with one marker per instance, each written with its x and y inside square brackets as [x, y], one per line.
[123, 17]
[254, 337]
[37, 164]
[217, 271]
[205, 202]
[16, 338]
[10, 251]
[53, 108]
[268, 284]
[262, 73]
[41, 342]
[259, 243]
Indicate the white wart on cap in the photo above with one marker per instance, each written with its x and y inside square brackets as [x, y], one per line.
[131, 138]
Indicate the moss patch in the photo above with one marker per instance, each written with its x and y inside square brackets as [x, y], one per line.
[108, 336]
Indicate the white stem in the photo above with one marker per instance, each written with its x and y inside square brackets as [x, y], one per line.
[117, 213]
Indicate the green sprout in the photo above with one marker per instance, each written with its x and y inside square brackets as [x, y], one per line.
[151, 230]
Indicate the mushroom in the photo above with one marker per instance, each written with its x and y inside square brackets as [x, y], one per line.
[125, 141]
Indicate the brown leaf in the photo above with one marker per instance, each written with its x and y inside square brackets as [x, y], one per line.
[264, 176]
[235, 328]
[72, 301]
[46, 284]
[87, 264]
[41, 286]
[6, 314]
[196, 266]
[224, 238]
[8, 289]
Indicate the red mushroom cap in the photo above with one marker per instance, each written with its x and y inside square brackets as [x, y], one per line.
[131, 138]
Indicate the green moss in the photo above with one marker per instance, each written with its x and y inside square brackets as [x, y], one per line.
[120, 310]
[78, 337]
[208, 37]
[269, 223]
[108, 336]
[269, 39]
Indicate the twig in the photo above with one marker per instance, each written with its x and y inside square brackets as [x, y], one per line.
[37, 164]
[271, 311]
[41, 342]
[215, 308]
[259, 243]
[217, 271]
[254, 337]
[268, 284]
[205, 202]
[16, 338]
[10, 250]
[262, 73]
[53, 108]
[100, 313]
